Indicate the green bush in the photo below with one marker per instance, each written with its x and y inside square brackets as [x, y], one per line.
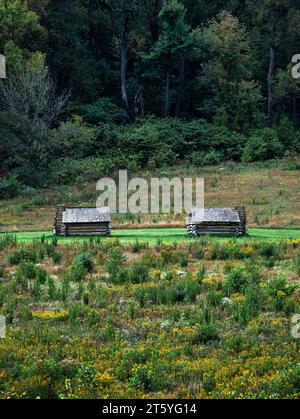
[28, 269]
[244, 311]
[266, 249]
[10, 187]
[236, 280]
[207, 330]
[41, 275]
[184, 261]
[115, 264]
[263, 144]
[81, 265]
[210, 158]
[139, 273]
[22, 254]
[102, 111]
[86, 260]
[279, 289]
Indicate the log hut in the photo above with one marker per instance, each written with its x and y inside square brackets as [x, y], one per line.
[77, 221]
[218, 222]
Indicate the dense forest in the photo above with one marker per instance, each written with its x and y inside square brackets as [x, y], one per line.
[95, 85]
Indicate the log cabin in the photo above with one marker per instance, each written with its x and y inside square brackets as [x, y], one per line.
[218, 221]
[76, 221]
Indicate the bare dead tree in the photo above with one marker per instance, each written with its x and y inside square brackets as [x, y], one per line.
[32, 95]
[29, 108]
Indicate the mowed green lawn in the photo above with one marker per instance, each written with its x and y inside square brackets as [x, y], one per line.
[165, 234]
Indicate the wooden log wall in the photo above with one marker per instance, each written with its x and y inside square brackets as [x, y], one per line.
[58, 220]
[88, 229]
[241, 209]
[214, 229]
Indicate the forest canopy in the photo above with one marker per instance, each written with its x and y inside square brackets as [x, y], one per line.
[91, 82]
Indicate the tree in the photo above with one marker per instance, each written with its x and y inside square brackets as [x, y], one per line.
[270, 20]
[228, 72]
[287, 92]
[122, 13]
[172, 48]
[15, 20]
[29, 108]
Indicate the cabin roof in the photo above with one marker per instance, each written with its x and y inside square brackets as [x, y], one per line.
[214, 215]
[86, 215]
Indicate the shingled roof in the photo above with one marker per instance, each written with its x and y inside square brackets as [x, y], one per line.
[214, 215]
[86, 215]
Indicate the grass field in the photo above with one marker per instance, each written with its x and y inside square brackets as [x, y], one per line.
[270, 191]
[152, 312]
[187, 319]
[174, 235]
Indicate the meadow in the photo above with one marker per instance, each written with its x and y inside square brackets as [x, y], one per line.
[107, 318]
[269, 190]
[151, 312]
[152, 235]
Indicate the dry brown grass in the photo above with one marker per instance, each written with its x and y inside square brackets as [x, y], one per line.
[271, 195]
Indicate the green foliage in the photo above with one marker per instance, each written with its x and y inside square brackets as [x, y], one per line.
[115, 265]
[28, 269]
[81, 265]
[10, 187]
[207, 330]
[102, 111]
[22, 254]
[138, 273]
[200, 159]
[247, 309]
[263, 145]
[74, 138]
[240, 278]
[7, 240]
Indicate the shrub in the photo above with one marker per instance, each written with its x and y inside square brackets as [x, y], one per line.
[102, 111]
[41, 276]
[81, 265]
[115, 263]
[236, 280]
[279, 289]
[51, 288]
[266, 249]
[28, 269]
[86, 260]
[77, 272]
[22, 282]
[24, 314]
[248, 308]
[75, 137]
[9, 187]
[209, 158]
[214, 298]
[184, 261]
[207, 330]
[263, 144]
[201, 275]
[22, 254]
[56, 257]
[143, 379]
[139, 273]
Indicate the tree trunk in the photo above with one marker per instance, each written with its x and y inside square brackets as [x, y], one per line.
[123, 71]
[181, 88]
[270, 82]
[294, 109]
[167, 95]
